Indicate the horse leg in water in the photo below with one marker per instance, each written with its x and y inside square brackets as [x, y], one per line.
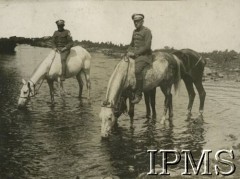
[87, 77]
[60, 87]
[50, 84]
[147, 103]
[80, 83]
[202, 95]
[131, 111]
[191, 93]
[170, 106]
[168, 100]
[153, 102]
[149, 97]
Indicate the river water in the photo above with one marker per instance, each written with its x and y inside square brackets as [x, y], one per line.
[64, 141]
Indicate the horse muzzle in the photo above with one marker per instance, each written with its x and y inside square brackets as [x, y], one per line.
[105, 134]
[22, 102]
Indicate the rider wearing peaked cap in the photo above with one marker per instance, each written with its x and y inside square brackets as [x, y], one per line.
[140, 51]
[136, 17]
[60, 22]
[62, 43]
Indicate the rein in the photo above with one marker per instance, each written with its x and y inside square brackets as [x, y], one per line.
[34, 85]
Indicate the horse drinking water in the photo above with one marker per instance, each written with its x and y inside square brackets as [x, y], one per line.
[78, 61]
[165, 70]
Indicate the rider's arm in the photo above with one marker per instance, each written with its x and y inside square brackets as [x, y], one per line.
[70, 41]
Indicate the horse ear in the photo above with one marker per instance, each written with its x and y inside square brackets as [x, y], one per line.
[111, 104]
[24, 82]
[102, 104]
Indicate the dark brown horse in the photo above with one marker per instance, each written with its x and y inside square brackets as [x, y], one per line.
[192, 74]
[192, 67]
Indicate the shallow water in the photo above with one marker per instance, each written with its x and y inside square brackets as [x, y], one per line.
[65, 142]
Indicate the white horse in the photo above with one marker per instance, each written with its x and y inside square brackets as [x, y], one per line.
[78, 61]
[164, 72]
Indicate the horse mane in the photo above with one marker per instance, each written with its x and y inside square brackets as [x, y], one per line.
[51, 55]
[116, 81]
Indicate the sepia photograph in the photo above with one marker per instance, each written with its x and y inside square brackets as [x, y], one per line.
[119, 89]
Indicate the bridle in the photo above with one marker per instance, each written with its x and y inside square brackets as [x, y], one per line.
[34, 92]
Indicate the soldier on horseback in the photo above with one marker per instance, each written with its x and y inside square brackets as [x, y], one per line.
[62, 43]
[140, 51]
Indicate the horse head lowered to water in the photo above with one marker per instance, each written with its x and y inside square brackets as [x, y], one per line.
[165, 70]
[78, 61]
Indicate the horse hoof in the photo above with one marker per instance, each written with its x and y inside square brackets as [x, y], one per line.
[200, 117]
[163, 120]
[154, 116]
[189, 115]
[148, 116]
[131, 127]
[81, 103]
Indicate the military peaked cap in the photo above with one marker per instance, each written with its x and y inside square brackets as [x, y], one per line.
[136, 17]
[60, 22]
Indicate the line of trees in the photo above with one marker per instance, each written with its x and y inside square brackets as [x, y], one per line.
[109, 48]
[216, 55]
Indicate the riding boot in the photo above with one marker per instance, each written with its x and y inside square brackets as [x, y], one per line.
[63, 74]
[63, 71]
[138, 93]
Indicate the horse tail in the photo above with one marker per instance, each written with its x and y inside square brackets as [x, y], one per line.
[178, 77]
[204, 61]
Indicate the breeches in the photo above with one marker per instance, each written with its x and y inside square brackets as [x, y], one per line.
[64, 56]
[139, 66]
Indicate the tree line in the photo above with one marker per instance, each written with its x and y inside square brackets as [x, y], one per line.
[110, 48]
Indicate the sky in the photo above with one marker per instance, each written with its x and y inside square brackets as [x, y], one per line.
[197, 24]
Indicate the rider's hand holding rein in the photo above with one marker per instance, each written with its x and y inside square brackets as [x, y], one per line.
[131, 54]
[63, 49]
[56, 50]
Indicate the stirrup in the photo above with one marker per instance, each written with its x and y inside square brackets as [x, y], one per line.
[62, 78]
[137, 99]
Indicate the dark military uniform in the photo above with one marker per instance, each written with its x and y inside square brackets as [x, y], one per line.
[60, 40]
[141, 47]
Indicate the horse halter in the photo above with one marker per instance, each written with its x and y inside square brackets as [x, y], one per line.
[31, 92]
[107, 104]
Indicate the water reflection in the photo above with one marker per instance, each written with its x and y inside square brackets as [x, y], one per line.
[127, 148]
